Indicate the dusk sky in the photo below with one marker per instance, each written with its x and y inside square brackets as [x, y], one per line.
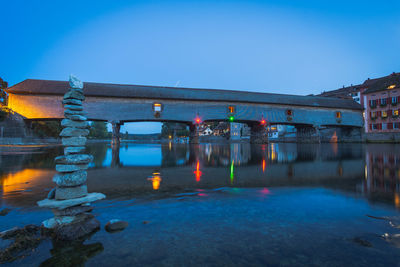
[290, 47]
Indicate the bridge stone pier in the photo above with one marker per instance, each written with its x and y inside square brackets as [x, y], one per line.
[118, 104]
[194, 134]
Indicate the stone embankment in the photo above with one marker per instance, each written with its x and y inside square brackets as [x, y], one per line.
[70, 201]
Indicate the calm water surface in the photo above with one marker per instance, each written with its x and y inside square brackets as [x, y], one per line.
[209, 204]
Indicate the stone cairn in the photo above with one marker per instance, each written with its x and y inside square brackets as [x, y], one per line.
[70, 201]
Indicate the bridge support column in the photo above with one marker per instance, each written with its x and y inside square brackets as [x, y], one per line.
[318, 133]
[258, 134]
[116, 128]
[194, 134]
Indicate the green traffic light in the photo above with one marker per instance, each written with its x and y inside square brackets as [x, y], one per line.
[231, 118]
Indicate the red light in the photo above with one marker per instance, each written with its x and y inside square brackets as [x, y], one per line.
[263, 122]
[198, 120]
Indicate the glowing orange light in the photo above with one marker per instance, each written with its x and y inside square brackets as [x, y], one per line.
[263, 165]
[197, 120]
[397, 200]
[25, 179]
[156, 180]
[197, 172]
[263, 122]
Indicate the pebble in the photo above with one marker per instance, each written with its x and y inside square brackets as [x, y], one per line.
[116, 225]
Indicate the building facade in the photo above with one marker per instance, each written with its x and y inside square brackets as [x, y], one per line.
[381, 103]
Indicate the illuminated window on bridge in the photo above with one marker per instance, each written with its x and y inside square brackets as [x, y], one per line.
[157, 107]
[289, 112]
[338, 115]
[231, 109]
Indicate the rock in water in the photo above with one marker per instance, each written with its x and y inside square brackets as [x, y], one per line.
[73, 107]
[71, 192]
[4, 212]
[74, 132]
[74, 82]
[74, 150]
[72, 211]
[71, 167]
[116, 225]
[63, 204]
[76, 124]
[70, 179]
[74, 94]
[71, 101]
[74, 159]
[74, 141]
[75, 117]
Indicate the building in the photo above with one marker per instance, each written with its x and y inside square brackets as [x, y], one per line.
[379, 97]
[381, 103]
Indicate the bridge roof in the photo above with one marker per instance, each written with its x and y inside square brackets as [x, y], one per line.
[48, 87]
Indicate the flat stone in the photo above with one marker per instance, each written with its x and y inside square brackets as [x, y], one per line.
[116, 225]
[71, 192]
[74, 159]
[74, 82]
[70, 178]
[72, 211]
[74, 112]
[63, 204]
[74, 150]
[74, 107]
[71, 167]
[74, 141]
[53, 222]
[74, 132]
[75, 117]
[74, 94]
[72, 102]
[76, 124]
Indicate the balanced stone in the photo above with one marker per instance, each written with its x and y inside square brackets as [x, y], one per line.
[74, 141]
[71, 192]
[74, 82]
[72, 211]
[74, 159]
[76, 124]
[63, 204]
[73, 107]
[74, 94]
[74, 112]
[74, 150]
[70, 179]
[72, 102]
[71, 167]
[72, 131]
[75, 117]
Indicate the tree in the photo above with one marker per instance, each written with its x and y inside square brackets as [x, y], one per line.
[98, 129]
[173, 129]
[3, 94]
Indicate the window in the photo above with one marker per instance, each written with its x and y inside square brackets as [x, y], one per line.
[390, 126]
[391, 86]
[384, 126]
[383, 101]
[384, 114]
[231, 109]
[377, 126]
[394, 100]
[338, 115]
[372, 103]
[157, 107]
[289, 112]
[396, 125]
[395, 113]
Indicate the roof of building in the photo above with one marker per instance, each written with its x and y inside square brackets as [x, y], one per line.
[381, 84]
[344, 92]
[48, 87]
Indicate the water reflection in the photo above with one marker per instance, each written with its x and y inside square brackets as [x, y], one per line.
[371, 170]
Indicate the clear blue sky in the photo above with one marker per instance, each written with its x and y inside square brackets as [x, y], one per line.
[293, 47]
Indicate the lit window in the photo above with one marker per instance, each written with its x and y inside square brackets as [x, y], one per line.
[384, 114]
[391, 86]
[395, 113]
[157, 107]
[231, 109]
[338, 115]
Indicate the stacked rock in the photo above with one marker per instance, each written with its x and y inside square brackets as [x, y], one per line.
[71, 202]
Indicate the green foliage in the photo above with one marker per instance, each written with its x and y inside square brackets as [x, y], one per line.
[46, 128]
[4, 113]
[173, 129]
[3, 98]
[98, 130]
